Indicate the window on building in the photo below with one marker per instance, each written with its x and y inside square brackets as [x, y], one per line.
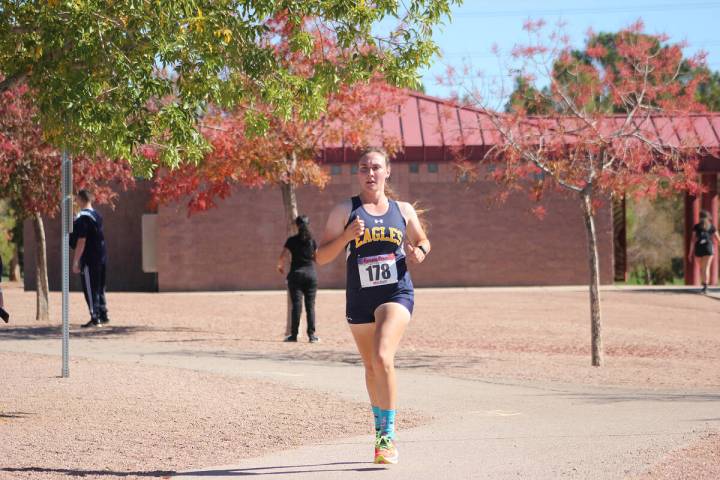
[353, 169]
[335, 169]
[414, 167]
[432, 167]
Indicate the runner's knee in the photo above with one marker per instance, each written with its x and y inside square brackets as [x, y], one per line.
[383, 361]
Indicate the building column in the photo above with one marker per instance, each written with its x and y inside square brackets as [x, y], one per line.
[692, 216]
[619, 239]
[710, 203]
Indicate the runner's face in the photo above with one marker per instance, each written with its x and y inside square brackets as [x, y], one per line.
[372, 172]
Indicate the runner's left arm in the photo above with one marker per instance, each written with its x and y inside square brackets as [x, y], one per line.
[417, 237]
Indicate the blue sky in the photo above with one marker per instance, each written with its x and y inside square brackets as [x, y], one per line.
[478, 24]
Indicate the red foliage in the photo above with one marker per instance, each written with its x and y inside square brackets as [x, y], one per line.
[291, 148]
[30, 167]
[609, 133]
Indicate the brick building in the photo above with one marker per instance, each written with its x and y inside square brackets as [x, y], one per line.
[476, 241]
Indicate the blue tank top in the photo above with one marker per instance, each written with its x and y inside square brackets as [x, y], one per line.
[376, 259]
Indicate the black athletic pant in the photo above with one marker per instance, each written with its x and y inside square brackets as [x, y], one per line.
[302, 284]
[92, 277]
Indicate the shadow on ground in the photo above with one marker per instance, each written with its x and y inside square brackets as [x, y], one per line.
[621, 397]
[15, 414]
[283, 470]
[41, 332]
[403, 360]
[76, 473]
[712, 293]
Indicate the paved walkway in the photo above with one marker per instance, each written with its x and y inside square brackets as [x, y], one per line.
[480, 429]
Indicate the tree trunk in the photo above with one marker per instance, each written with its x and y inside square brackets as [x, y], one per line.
[595, 318]
[289, 199]
[14, 267]
[42, 311]
[291, 213]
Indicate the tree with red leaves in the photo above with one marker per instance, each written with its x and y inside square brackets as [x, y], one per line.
[30, 175]
[611, 132]
[287, 153]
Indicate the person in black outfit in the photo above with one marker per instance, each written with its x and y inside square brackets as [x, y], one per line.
[3, 313]
[701, 245]
[90, 258]
[302, 279]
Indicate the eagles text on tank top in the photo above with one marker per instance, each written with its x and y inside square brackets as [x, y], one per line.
[377, 257]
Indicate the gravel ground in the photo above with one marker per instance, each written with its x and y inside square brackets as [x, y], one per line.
[698, 461]
[653, 339]
[87, 426]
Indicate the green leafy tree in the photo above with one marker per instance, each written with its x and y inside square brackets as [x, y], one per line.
[527, 97]
[7, 246]
[114, 76]
[655, 237]
[709, 91]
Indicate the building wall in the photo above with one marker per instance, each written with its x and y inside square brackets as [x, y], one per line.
[123, 235]
[476, 241]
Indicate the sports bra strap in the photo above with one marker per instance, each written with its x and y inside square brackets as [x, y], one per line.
[356, 203]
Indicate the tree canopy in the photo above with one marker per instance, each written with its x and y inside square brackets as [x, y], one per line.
[30, 167]
[608, 52]
[114, 76]
[287, 154]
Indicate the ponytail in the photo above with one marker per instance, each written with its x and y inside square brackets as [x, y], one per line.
[304, 234]
[705, 219]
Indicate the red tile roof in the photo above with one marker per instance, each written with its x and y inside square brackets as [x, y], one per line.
[429, 128]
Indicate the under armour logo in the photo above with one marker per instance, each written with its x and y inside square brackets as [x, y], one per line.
[379, 221]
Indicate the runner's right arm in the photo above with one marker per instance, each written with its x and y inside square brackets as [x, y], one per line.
[336, 236]
[281, 260]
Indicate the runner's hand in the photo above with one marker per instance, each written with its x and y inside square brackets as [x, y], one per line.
[415, 254]
[355, 229]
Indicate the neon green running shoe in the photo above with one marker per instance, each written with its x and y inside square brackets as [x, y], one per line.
[385, 450]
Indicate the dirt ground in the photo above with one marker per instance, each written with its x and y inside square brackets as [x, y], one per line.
[652, 339]
[119, 420]
[698, 461]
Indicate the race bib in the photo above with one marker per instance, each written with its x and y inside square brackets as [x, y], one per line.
[377, 270]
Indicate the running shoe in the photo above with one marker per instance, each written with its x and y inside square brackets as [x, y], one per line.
[314, 339]
[385, 451]
[290, 338]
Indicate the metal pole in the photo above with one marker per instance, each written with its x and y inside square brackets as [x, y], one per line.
[66, 206]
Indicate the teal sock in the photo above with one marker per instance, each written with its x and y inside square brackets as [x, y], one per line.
[376, 414]
[387, 423]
